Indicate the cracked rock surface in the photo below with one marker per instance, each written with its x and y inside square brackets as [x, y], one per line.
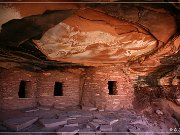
[141, 38]
[91, 37]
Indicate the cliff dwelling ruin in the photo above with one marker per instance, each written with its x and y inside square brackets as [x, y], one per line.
[105, 67]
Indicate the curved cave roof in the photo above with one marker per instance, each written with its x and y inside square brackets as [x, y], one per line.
[142, 37]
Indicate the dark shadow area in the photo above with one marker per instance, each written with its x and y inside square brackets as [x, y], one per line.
[22, 89]
[112, 87]
[144, 96]
[58, 90]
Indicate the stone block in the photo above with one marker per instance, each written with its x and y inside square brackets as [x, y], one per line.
[110, 121]
[59, 107]
[98, 116]
[101, 110]
[133, 130]
[49, 123]
[86, 131]
[79, 120]
[71, 118]
[142, 122]
[94, 125]
[67, 131]
[86, 108]
[87, 114]
[46, 103]
[74, 114]
[31, 109]
[17, 124]
[63, 116]
[105, 128]
[72, 121]
[84, 119]
[72, 125]
[87, 126]
[99, 121]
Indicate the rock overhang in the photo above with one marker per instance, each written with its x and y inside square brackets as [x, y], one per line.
[92, 37]
[142, 37]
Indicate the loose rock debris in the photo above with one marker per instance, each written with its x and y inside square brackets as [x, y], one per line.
[78, 121]
[17, 124]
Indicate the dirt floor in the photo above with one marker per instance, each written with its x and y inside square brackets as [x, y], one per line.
[163, 117]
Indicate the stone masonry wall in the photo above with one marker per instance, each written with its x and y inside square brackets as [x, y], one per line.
[10, 81]
[89, 88]
[71, 88]
[40, 88]
[95, 90]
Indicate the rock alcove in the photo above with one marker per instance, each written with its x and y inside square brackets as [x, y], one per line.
[117, 58]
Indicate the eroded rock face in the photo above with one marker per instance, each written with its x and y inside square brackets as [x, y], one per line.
[144, 37]
[147, 15]
[91, 37]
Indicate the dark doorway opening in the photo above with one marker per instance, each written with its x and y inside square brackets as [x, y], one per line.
[58, 91]
[22, 89]
[112, 87]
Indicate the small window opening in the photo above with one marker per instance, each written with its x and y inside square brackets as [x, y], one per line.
[58, 89]
[22, 89]
[112, 87]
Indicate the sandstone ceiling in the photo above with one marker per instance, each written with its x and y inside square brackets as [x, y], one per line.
[144, 38]
[90, 37]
